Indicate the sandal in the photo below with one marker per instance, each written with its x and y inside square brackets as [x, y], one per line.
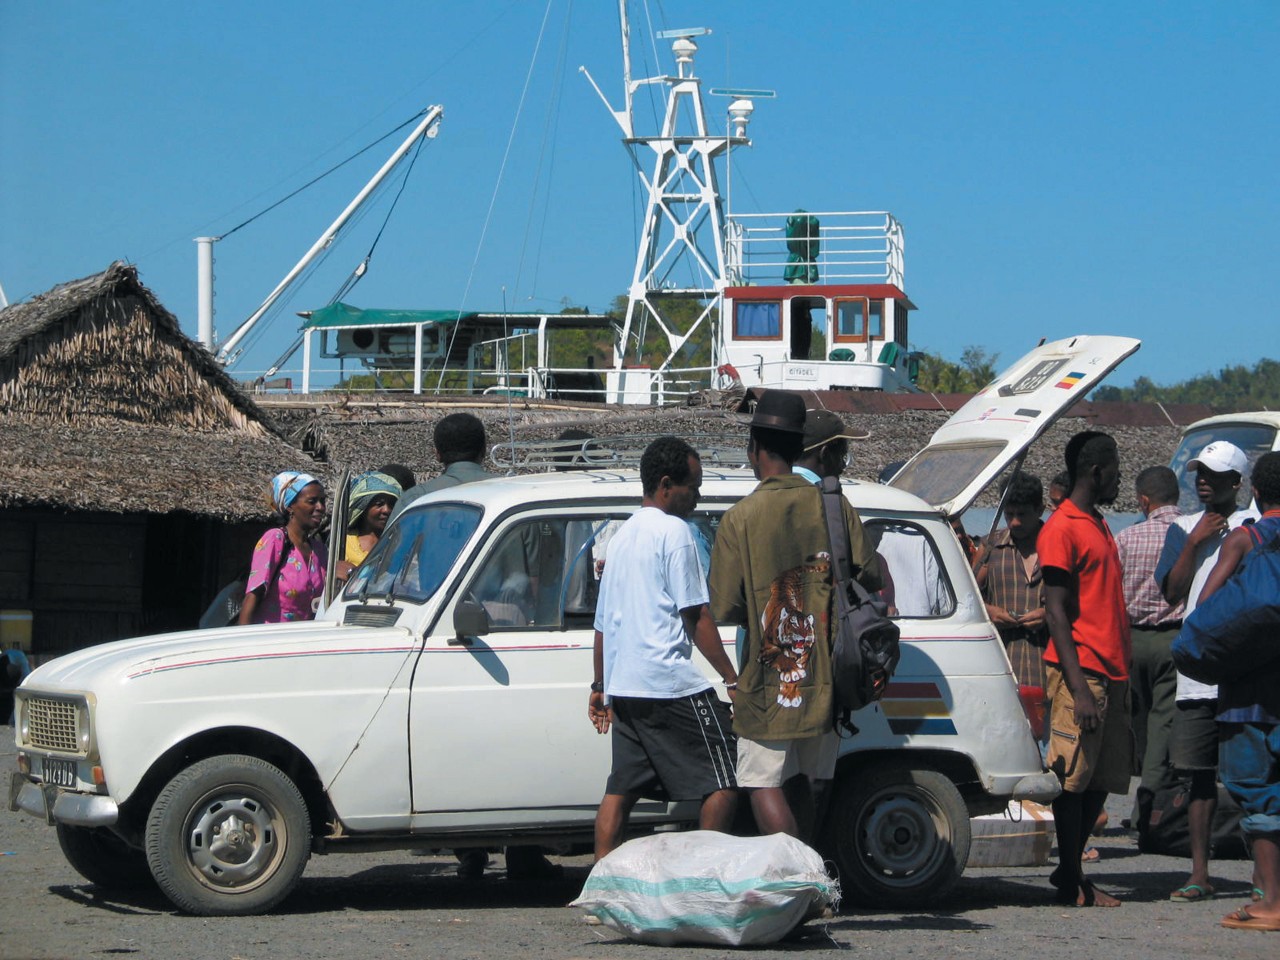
[1242, 919]
[1256, 894]
[1192, 893]
[1090, 854]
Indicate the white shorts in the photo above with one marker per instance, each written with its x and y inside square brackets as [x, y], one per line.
[771, 763]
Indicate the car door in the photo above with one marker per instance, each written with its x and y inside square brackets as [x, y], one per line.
[498, 726]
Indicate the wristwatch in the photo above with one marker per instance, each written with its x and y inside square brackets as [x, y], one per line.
[597, 686]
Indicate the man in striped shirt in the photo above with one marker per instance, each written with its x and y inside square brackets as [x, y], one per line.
[1154, 622]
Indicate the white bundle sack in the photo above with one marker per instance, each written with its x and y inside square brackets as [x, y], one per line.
[708, 887]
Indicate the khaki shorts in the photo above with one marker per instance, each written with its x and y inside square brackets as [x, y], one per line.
[771, 763]
[1101, 760]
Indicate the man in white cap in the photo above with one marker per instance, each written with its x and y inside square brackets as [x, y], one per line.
[1190, 551]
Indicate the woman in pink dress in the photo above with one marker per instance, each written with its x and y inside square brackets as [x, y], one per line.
[286, 574]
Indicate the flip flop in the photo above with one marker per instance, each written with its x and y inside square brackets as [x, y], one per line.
[1242, 919]
[1090, 854]
[1256, 894]
[1192, 893]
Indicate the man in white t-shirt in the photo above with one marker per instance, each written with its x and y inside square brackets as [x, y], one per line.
[1190, 551]
[672, 736]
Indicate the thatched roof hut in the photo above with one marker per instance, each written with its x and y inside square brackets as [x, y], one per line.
[106, 405]
[133, 473]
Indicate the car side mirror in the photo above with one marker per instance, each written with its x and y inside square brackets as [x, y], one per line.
[470, 620]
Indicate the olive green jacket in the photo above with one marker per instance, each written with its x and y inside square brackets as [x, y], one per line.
[771, 573]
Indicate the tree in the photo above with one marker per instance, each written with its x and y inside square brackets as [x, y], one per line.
[975, 370]
[1232, 388]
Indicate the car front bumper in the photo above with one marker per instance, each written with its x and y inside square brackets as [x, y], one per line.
[57, 805]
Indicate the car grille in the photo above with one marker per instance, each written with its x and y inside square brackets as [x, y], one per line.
[53, 724]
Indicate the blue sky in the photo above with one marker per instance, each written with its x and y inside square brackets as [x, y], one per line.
[1059, 168]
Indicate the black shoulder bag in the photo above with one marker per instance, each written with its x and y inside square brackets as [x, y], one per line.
[865, 641]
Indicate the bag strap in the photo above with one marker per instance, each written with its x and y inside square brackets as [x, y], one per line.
[279, 564]
[842, 567]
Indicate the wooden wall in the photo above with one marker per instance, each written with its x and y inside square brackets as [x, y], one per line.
[92, 577]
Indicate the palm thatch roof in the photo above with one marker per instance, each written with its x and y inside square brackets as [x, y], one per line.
[106, 405]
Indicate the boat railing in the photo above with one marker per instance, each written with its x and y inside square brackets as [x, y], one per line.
[853, 247]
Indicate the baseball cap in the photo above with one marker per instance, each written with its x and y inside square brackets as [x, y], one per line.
[823, 426]
[1220, 456]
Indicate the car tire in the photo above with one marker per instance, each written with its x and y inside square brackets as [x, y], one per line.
[900, 836]
[228, 836]
[104, 859]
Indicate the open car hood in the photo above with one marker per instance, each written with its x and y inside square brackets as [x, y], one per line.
[1000, 422]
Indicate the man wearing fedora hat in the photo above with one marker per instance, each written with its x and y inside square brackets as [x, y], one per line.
[771, 574]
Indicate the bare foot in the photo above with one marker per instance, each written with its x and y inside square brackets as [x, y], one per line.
[1091, 896]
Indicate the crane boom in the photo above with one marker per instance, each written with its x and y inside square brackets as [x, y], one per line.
[429, 127]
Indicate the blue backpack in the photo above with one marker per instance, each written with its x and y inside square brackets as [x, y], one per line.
[1237, 630]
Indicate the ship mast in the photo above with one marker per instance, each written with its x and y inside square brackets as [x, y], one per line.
[681, 253]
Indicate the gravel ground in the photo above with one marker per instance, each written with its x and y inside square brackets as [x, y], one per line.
[386, 906]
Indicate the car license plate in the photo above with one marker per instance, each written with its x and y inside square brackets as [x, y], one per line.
[59, 772]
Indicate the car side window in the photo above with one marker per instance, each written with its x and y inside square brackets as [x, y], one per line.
[544, 572]
[915, 579]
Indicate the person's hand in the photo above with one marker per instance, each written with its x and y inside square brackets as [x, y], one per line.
[1033, 620]
[598, 712]
[1088, 716]
[344, 569]
[1207, 527]
[1000, 616]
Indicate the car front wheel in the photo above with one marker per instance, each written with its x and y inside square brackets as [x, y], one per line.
[899, 836]
[228, 836]
[104, 859]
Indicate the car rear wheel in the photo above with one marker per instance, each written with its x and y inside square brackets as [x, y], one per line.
[104, 859]
[228, 836]
[899, 836]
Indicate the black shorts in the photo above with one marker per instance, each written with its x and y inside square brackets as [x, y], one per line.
[681, 749]
[1193, 742]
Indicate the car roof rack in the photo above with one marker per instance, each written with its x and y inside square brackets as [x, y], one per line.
[622, 450]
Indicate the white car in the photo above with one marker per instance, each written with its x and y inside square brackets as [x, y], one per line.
[440, 701]
[1256, 433]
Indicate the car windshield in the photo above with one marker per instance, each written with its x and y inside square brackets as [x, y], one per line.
[411, 559]
[1254, 439]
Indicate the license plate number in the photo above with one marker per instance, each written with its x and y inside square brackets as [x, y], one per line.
[60, 773]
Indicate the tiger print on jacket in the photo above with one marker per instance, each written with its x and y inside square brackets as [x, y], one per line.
[787, 631]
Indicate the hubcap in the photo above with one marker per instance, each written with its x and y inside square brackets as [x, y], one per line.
[899, 836]
[233, 840]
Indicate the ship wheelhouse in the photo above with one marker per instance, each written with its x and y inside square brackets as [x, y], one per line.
[819, 336]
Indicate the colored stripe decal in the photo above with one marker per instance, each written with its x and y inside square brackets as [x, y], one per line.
[912, 691]
[915, 708]
[290, 655]
[913, 725]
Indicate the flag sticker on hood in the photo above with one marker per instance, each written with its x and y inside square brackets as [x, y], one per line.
[1069, 381]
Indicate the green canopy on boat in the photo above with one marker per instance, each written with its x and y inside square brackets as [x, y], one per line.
[345, 315]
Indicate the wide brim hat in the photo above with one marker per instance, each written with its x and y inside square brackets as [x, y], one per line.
[779, 410]
[822, 426]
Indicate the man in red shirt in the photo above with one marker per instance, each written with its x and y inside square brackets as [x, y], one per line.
[1090, 747]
